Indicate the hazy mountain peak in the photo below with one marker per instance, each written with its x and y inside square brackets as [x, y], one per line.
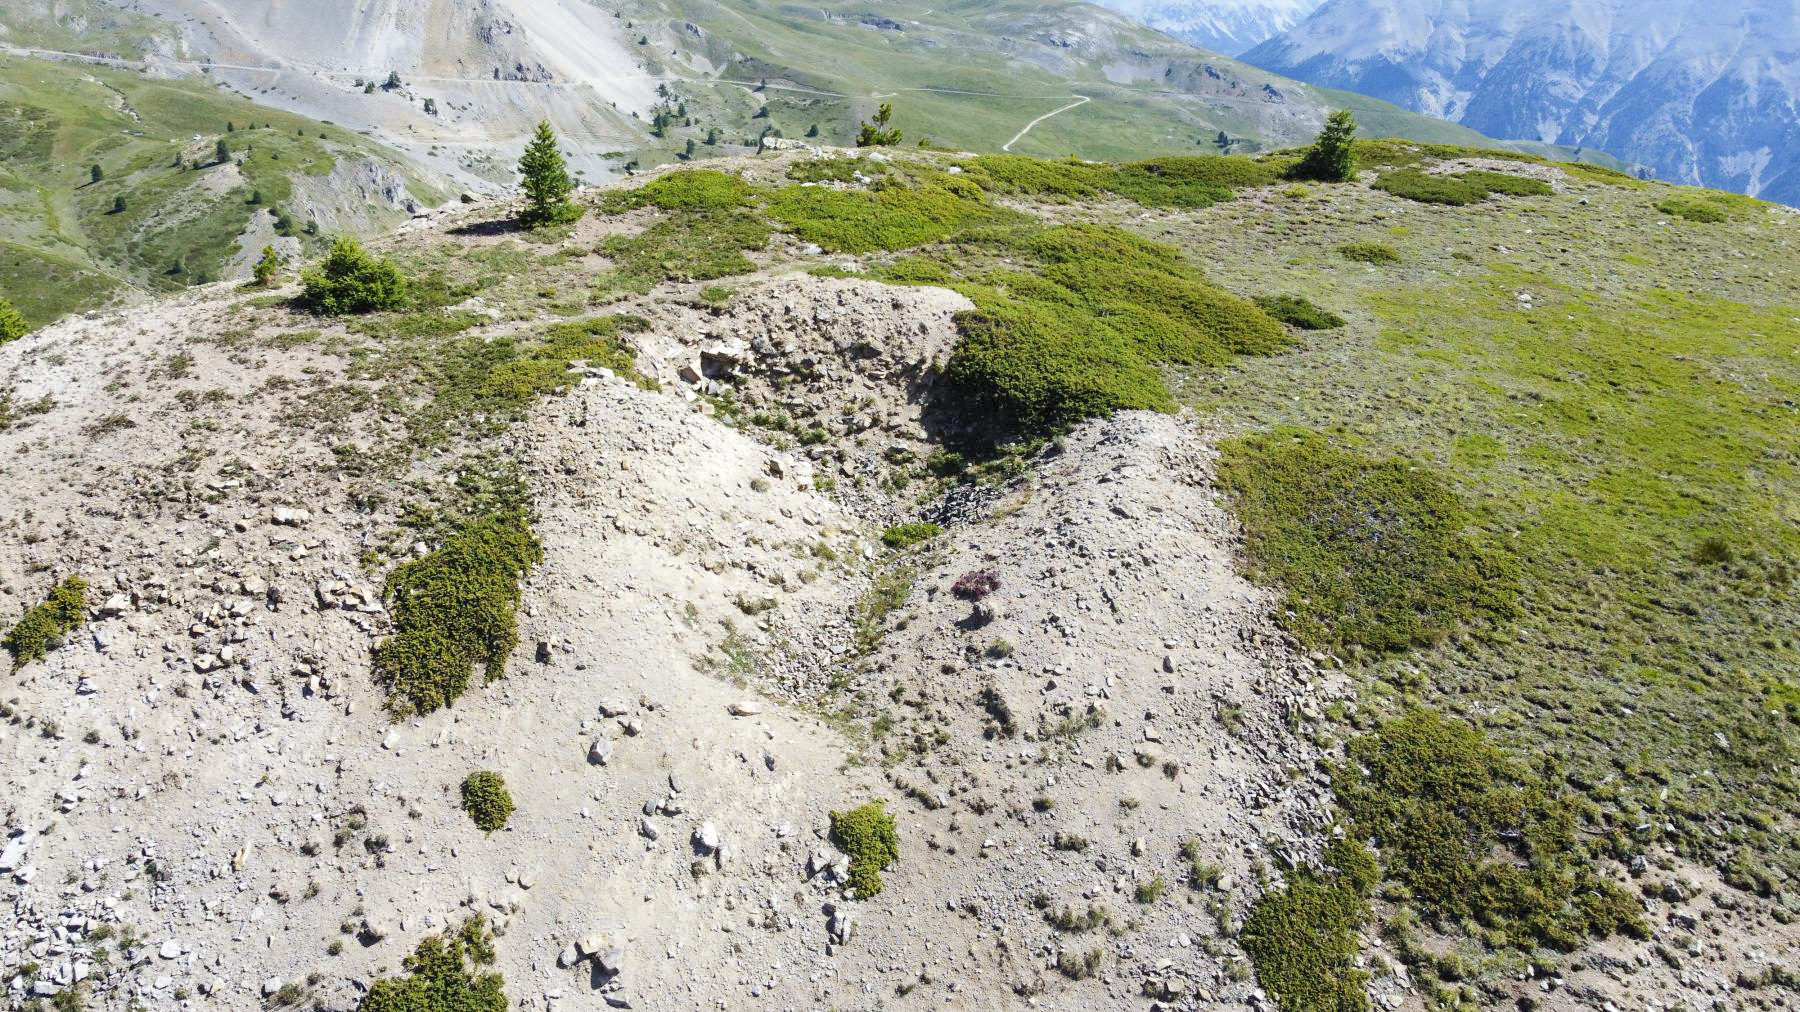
[1223, 26]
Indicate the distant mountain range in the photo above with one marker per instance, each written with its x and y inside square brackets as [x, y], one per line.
[1699, 92]
[1223, 26]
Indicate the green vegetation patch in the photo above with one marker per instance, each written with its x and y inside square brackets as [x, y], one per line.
[1302, 937]
[688, 245]
[1458, 189]
[891, 216]
[1474, 836]
[486, 799]
[835, 170]
[1377, 253]
[1185, 181]
[350, 280]
[1708, 207]
[908, 535]
[1373, 553]
[444, 974]
[867, 834]
[42, 628]
[685, 190]
[454, 609]
[1298, 311]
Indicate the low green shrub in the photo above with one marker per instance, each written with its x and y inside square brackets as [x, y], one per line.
[1695, 209]
[1302, 938]
[835, 170]
[1187, 181]
[453, 609]
[12, 322]
[1371, 552]
[1459, 189]
[684, 190]
[1298, 311]
[1473, 836]
[42, 628]
[444, 974]
[867, 834]
[350, 280]
[1065, 180]
[908, 535]
[689, 245]
[1370, 253]
[892, 216]
[486, 799]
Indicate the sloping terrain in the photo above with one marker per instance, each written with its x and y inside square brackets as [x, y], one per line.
[71, 241]
[1700, 93]
[1223, 26]
[1416, 642]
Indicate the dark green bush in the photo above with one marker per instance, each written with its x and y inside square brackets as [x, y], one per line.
[1370, 253]
[349, 280]
[1188, 181]
[908, 535]
[444, 974]
[486, 799]
[1475, 837]
[1696, 209]
[1332, 157]
[43, 627]
[685, 190]
[453, 609]
[867, 834]
[1371, 552]
[1460, 189]
[1298, 311]
[835, 170]
[1302, 938]
[1509, 184]
[1065, 180]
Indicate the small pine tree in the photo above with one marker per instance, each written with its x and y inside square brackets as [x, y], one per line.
[221, 152]
[369, 88]
[712, 135]
[812, 131]
[256, 196]
[351, 281]
[268, 267]
[180, 162]
[690, 147]
[393, 80]
[878, 134]
[12, 324]
[1332, 157]
[119, 204]
[230, 127]
[96, 174]
[546, 181]
[762, 113]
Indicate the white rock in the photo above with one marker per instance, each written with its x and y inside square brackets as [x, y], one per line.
[600, 751]
[746, 708]
[707, 836]
[171, 949]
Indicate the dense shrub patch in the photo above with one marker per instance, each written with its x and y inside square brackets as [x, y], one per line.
[1370, 253]
[444, 974]
[1701, 208]
[350, 280]
[689, 245]
[1187, 181]
[1459, 189]
[43, 627]
[867, 834]
[685, 190]
[454, 609]
[486, 799]
[1298, 311]
[908, 535]
[1302, 937]
[1474, 836]
[1372, 553]
[893, 216]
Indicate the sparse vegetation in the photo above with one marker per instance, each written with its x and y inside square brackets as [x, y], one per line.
[486, 799]
[868, 835]
[902, 536]
[444, 974]
[42, 628]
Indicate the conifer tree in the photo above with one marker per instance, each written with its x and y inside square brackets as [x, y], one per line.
[546, 181]
[268, 267]
[12, 325]
[1332, 157]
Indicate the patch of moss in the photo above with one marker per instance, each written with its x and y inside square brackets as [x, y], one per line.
[1299, 312]
[486, 799]
[1474, 836]
[1302, 938]
[867, 834]
[908, 535]
[1380, 254]
[1373, 553]
[444, 974]
[455, 609]
[42, 628]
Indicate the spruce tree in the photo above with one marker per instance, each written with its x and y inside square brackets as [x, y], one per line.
[878, 134]
[12, 325]
[221, 152]
[546, 181]
[96, 173]
[1332, 157]
[268, 267]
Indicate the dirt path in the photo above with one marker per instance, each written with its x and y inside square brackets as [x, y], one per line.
[1080, 100]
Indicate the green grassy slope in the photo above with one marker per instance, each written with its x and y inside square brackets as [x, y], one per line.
[63, 244]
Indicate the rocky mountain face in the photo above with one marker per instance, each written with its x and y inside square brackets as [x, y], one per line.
[1699, 93]
[1223, 26]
